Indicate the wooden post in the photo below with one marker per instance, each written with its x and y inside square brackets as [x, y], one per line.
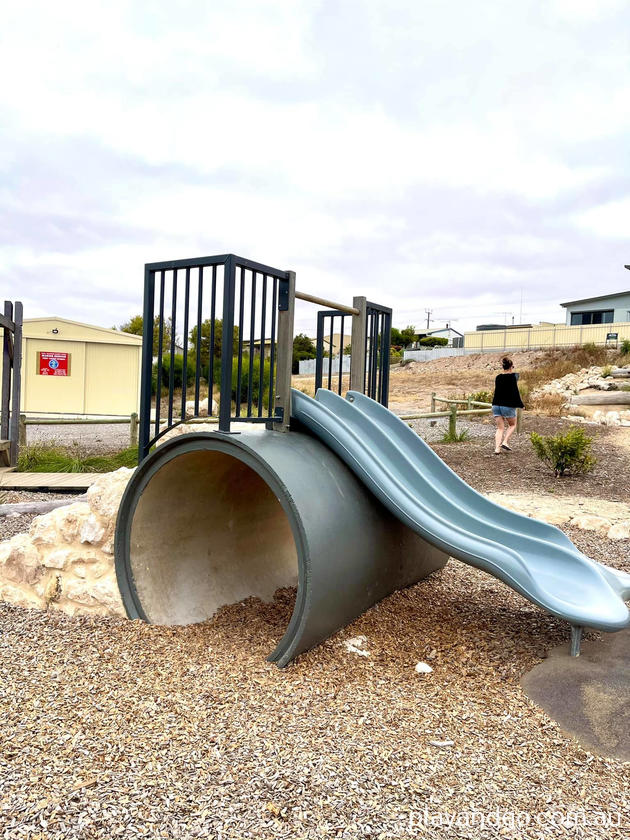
[22, 431]
[469, 402]
[357, 359]
[133, 430]
[286, 319]
[452, 422]
[519, 420]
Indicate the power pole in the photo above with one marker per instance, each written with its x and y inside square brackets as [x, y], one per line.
[429, 313]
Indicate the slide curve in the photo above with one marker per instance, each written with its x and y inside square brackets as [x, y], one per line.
[536, 559]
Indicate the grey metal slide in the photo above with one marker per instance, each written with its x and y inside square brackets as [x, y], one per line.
[402, 471]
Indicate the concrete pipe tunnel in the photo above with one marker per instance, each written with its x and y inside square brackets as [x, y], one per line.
[210, 519]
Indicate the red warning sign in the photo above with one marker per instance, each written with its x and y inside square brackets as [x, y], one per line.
[54, 364]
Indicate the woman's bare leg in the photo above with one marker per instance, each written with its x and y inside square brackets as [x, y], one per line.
[511, 428]
[498, 435]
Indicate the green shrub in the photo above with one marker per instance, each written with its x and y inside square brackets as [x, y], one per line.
[481, 396]
[565, 453]
[625, 347]
[433, 341]
[259, 389]
[178, 372]
[606, 371]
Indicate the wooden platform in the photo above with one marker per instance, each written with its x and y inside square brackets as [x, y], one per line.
[47, 481]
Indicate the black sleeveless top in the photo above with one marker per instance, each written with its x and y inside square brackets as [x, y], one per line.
[506, 391]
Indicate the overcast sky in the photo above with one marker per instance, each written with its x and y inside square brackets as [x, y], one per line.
[429, 154]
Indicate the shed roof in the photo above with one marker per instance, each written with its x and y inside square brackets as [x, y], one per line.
[75, 331]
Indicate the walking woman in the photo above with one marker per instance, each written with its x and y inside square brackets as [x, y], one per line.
[505, 401]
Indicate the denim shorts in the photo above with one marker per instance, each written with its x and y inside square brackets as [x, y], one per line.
[503, 411]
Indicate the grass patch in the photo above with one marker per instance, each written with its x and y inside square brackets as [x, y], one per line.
[458, 437]
[50, 457]
[550, 404]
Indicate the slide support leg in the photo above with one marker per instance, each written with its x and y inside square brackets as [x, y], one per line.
[576, 638]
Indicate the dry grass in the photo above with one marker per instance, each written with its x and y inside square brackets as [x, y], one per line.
[550, 404]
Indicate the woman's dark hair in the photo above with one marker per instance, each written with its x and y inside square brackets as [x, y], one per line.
[507, 363]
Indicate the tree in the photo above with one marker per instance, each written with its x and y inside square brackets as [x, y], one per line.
[303, 348]
[135, 326]
[403, 338]
[347, 350]
[433, 341]
[206, 330]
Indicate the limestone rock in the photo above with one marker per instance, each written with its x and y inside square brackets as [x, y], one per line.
[203, 408]
[19, 560]
[62, 523]
[91, 530]
[105, 494]
[102, 593]
[182, 430]
[591, 523]
[23, 596]
[620, 531]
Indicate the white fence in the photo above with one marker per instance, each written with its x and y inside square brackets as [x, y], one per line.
[308, 366]
[438, 353]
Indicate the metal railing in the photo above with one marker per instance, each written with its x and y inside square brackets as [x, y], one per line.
[253, 306]
[11, 321]
[370, 336]
[242, 299]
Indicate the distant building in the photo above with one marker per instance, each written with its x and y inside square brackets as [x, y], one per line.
[455, 338]
[604, 309]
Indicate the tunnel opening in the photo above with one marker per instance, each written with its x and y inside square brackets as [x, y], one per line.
[207, 531]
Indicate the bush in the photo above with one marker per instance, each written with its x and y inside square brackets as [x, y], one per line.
[565, 453]
[625, 347]
[178, 372]
[433, 341]
[606, 371]
[458, 437]
[256, 382]
[481, 396]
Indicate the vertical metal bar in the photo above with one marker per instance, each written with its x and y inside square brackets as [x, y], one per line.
[262, 348]
[158, 383]
[213, 306]
[386, 367]
[272, 354]
[7, 362]
[380, 321]
[357, 340]
[146, 364]
[198, 342]
[319, 351]
[252, 327]
[227, 348]
[373, 352]
[286, 319]
[185, 358]
[239, 362]
[14, 427]
[576, 639]
[171, 372]
[330, 349]
[341, 357]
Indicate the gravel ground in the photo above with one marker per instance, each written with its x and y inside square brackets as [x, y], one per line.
[93, 439]
[116, 728]
[11, 525]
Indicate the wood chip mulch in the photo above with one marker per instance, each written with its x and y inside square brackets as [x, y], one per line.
[114, 728]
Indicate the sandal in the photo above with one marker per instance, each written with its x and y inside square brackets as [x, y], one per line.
[505, 446]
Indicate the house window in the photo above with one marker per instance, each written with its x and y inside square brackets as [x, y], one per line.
[603, 316]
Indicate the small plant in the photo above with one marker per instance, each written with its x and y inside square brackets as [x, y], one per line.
[481, 396]
[553, 405]
[625, 347]
[606, 371]
[458, 437]
[565, 453]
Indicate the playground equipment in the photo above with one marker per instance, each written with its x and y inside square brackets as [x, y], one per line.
[335, 496]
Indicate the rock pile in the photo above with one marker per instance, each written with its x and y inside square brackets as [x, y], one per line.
[573, 383]
[66, 560]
